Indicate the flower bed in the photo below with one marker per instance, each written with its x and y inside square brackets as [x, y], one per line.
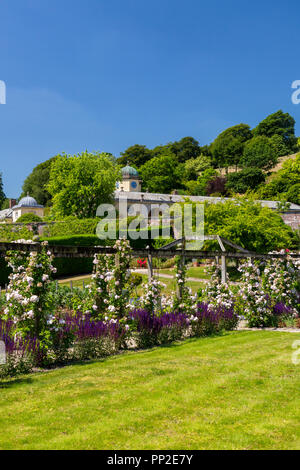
[43, 325]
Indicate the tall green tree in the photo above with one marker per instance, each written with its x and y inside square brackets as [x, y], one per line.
[248, 224]
[228, 147]
[279, 123]
[184, 149]
[259, 152]
[245, 180]
[2, 195]
[194, 166]
[162, 174]
[79, 184]
[36, 183]
[136, 155]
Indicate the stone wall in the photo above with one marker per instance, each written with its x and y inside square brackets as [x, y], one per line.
[292, 219]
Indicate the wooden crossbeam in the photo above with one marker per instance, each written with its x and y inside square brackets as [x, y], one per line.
[89, 251]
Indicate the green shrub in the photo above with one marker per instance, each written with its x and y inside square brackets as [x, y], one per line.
[247, 179]
[71, 226]
[29, 218]
[11, 232]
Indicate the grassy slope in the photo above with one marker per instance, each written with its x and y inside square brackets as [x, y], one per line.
[238, 391]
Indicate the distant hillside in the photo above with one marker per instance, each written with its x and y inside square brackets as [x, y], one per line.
[276, 168]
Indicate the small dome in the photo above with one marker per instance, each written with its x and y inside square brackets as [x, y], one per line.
[129, 171]
[28, 202]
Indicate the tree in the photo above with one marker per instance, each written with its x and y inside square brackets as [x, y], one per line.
[80, 183]
[278, 143]
[136, 155]
[293, 194]
[185, 149]
[2, 195]
[279, 123]
[259, 152]
[161, 174]
[247, 179]
[282, 181]
[199, 187]
[217, 187]
[248, 224]
[36, 183]
[194, 166]
[228, 147]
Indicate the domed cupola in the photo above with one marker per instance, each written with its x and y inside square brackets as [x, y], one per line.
[27, 205]
[28, 202]
[130, 180]
[129, 172]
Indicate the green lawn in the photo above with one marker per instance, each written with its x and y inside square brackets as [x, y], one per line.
[237, 391]
[169, 289]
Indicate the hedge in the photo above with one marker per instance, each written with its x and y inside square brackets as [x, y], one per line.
[74, 266]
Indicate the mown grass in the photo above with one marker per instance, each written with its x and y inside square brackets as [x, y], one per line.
[237, 391]
[170, 284]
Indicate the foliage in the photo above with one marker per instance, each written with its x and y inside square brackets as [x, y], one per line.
[154, 330]
[194, 166]
[183, 300]
[279, 145]
[281, 281]
[2, 195]
[268, 291]
[216, 293]
[281, 124]
[253, 302]
[217, 187]
[36, 183]
[151, 298]
[248, 224]
[283, 183]
[185, 149]
[209, 321]
[29, 218]
[27, 293]
[71, 226]
[259, 152]
[245, 180]
[79, 184]
[136, 155]
[11, 232]
[199, 187]
[161, 174]
[228, 147]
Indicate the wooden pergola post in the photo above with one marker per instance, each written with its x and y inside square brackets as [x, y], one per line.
[150, 266]
[223, 261]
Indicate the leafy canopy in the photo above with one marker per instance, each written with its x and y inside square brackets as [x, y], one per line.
[249, 225]
[136, 155]
[245, 180]
[285, 183]
[161, 174]
[2, 195]
[36, 183]
[279, 123]
[259, 152]
[228, 147]
[79, 184]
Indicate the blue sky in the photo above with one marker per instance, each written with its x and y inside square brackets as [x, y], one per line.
[106, 74]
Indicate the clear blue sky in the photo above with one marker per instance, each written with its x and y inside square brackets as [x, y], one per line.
[106, 74]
